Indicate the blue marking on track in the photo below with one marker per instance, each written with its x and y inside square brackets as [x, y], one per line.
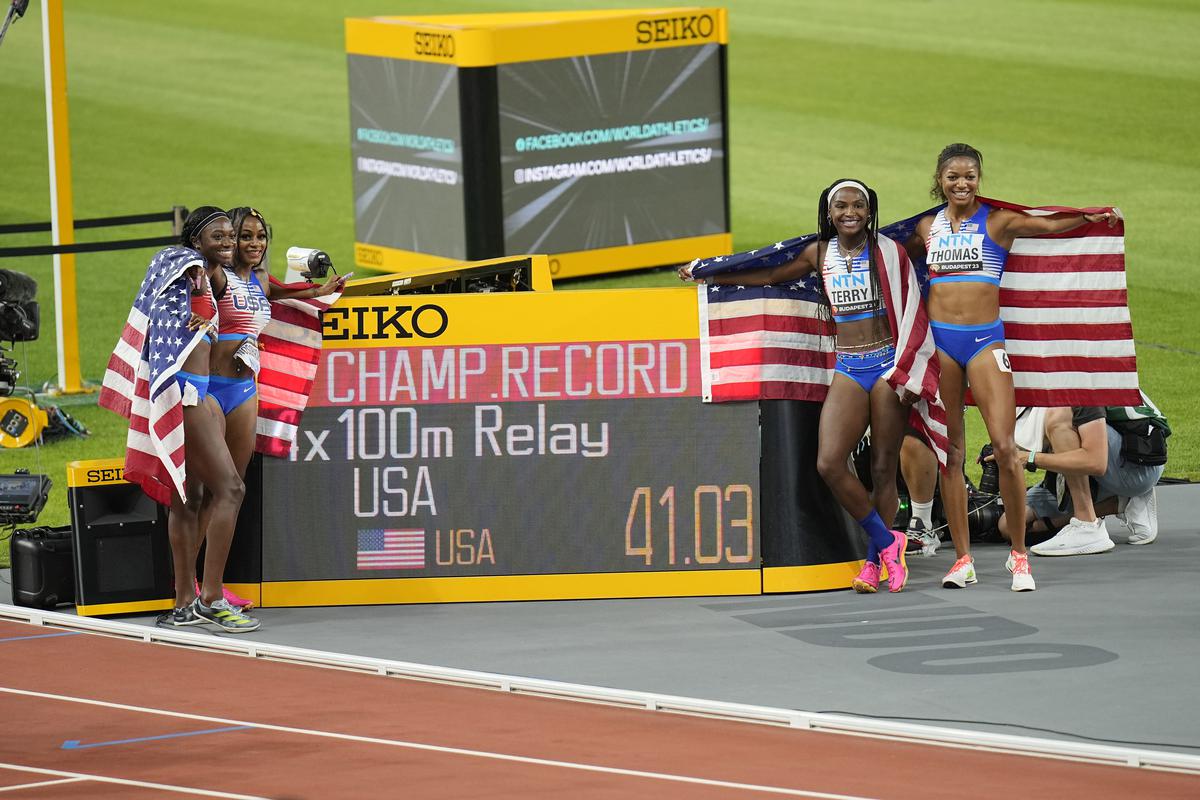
[39, 636]
[73, 744]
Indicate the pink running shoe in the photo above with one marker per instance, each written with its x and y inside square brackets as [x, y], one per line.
[892, 557]
[867, 580]
[231, 598]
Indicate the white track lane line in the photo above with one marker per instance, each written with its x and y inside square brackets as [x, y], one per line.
[83, 776]
[40, 784]
[543, 762]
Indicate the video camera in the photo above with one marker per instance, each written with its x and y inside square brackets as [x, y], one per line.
[19, 316]
[20, 321]
[312, 264]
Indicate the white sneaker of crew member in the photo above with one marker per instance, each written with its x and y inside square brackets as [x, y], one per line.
[1140, 516]
[1077, 538]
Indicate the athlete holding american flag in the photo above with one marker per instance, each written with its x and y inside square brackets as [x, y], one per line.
[966, 244]
[158, 378]
[884, 354]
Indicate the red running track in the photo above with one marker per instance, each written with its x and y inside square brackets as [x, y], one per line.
[159, 719]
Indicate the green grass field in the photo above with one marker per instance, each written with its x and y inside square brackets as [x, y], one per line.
[1076, 103]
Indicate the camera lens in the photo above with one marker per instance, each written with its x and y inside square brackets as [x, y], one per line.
[989, 481]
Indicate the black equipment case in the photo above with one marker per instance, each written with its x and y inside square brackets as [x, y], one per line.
[43, 568]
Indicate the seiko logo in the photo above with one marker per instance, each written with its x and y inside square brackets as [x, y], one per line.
[104, 475]
[368, 256]
[384, 322]
[438, 45]
[674, 29]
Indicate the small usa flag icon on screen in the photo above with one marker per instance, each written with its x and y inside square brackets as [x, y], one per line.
[380, 548]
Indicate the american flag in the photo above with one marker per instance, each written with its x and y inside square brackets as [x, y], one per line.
[291, 351]
[1063, 302]
[391, 549]
[139, 383]
[772, 342]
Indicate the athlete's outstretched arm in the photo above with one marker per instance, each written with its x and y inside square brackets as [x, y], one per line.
[798, 267]
[1016, 224]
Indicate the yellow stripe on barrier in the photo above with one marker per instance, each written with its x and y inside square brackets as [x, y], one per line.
[103, 609]
[815, 578]
[247, 591]
[511, 587]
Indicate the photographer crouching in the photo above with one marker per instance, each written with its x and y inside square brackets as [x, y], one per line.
[1100, 461]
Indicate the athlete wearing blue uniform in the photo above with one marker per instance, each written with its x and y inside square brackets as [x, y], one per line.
[849, 256]
[853, 297]
[966, 244]
[967, 254]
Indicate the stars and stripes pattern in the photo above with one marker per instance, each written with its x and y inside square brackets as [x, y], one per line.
[291, 351]
[1062, 299]
[391, 549]
[773, 342]
[1065, 308]
[139, 382]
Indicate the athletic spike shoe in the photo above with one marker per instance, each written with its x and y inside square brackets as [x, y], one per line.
[961, 574]
[892, 557]
[867, 579]
[225, 616]
[240, 603]
[1018, 565]
[178, 618]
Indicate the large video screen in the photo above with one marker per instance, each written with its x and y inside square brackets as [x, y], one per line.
[612, 150]
[406, 155]
[426, 453]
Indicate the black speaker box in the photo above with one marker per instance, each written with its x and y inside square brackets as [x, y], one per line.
[122, 554]
[43, 572]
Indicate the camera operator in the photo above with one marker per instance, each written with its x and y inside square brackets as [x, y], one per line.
[1107, 461]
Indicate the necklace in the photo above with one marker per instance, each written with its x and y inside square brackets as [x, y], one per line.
[849, 257]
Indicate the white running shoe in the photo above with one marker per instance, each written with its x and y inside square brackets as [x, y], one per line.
[1018, 565]
[929, 541]
[962, 573]
[1141, 517]
[1077, 538]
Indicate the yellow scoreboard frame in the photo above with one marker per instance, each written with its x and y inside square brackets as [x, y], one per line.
[473, 219]
[546, 554]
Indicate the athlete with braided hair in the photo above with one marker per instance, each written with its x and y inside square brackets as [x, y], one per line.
[966, 245]
[863, 278]
[210, 469]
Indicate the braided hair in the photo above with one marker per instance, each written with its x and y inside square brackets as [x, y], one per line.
[197, 221]
[950, 151]
[826, 232]
[237, 217]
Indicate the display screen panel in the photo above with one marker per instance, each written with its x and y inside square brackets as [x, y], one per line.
[406, 155]
[425, 453]
[612, 150]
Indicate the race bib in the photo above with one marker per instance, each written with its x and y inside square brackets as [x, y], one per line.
[954, 252]
[850, 292]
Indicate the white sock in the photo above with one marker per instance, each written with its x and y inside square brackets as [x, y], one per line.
[923, 512]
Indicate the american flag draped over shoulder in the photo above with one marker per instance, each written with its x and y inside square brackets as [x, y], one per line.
[773, 342]
[291, 351]
[1063, 302]
[140, 384]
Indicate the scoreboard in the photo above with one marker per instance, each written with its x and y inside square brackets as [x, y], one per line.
[597, 137]
[526, 445]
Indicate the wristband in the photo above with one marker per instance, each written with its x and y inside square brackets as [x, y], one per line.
[1029, 465]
